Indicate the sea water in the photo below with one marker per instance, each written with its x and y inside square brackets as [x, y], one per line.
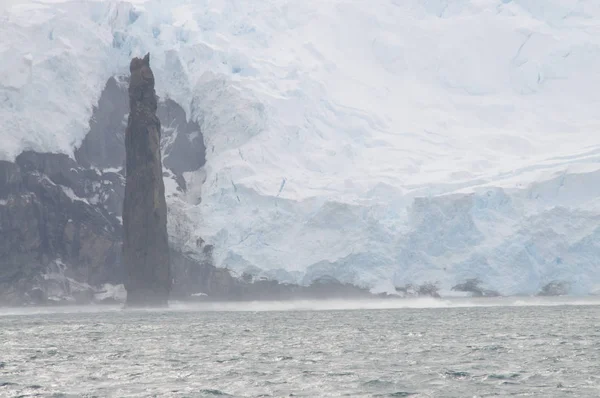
[388, 348]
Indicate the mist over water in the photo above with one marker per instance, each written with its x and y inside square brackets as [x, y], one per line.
[318, 305]
[418, 348]
[383, 304]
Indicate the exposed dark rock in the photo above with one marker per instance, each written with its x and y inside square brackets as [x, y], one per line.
[473, 286]
[54, 208]
[555, 288]
[59, 168]
[182, 142]
[145, 238]
[104, 145]
[38, 296]
[41, 226]
[427, 289]
[193, 276]
[60, 229]
[329, 287]
[183, 148]
[217, 284]
[10, 178]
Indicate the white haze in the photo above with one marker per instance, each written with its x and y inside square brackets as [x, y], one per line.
[318, 305]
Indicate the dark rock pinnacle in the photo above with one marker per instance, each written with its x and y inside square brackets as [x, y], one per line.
[145, 240]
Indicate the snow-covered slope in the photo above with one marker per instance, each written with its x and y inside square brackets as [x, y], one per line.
[380, 142]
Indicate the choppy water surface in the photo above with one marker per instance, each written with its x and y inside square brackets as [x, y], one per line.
[452, 351]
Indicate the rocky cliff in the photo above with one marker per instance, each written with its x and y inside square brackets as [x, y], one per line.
[54, 242]
[61, 228]
[145, 239]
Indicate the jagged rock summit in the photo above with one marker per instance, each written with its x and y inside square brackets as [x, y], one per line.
[145, 239]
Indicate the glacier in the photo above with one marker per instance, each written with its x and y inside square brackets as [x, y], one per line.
[382, 143]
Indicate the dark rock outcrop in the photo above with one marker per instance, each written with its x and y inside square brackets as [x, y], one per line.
[104, 145]
[427, 289]
[145, 238]
[45, 224]
[184, 148]
[196, 276]
[473, 286]
[78, 203]
[61, 232]
[555, 288]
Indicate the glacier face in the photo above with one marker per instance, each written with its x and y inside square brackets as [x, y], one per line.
[381, 143]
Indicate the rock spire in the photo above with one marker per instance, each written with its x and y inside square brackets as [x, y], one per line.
[145, 240]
